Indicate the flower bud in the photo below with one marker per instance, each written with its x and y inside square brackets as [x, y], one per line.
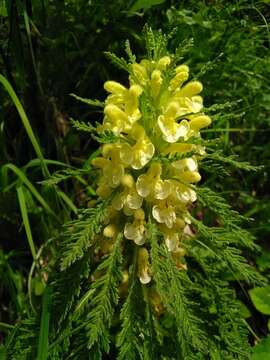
[200, 122]
[164, 62]
[109, 231]
[114, 87]
[191, 89]
[143, 266]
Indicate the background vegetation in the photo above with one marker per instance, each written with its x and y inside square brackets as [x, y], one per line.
[49, 49]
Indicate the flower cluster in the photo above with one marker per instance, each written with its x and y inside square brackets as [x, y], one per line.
[149, 171]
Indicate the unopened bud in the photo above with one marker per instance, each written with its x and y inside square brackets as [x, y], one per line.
[164, 62]
[200, 122]
[114, 87]
[109, 231]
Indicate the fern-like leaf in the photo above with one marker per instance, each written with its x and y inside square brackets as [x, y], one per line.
[105, 298]
[80, 233]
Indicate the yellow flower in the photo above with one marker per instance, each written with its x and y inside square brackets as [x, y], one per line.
[143, 150]
[182, 73]
[163, 62]
[186, 170]
[128, 200]
[171, 129]
[115, 158]
[150, 184]
[164, 213]
[125, 99]
[135, 232]
[172, 236]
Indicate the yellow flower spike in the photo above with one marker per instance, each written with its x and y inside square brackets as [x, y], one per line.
[199, 122]
[112, 169]
[155, 83]
[163, 189]
[163, 62]
[198, 99]
[193, 105]
[143, 266]
[133, 200]
[110, 231]
[171, 239]
[115, 88]
[141, 187]
[172, 236]
[115, 113]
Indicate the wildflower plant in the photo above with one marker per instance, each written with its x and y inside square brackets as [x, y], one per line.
[147, 174]
[139, 274]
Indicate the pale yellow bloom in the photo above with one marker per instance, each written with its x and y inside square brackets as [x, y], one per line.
[164, 213]
[150, 184]
[143, 150]
[128, 200]
[135, 231]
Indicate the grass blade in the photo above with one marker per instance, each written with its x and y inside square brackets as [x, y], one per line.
[43, 341]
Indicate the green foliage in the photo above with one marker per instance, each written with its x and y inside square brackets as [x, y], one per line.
[262, 350]
[128, 340]
[79, 234]
[172, 286]
[105, 299]
[260, 299]
[103, 138]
